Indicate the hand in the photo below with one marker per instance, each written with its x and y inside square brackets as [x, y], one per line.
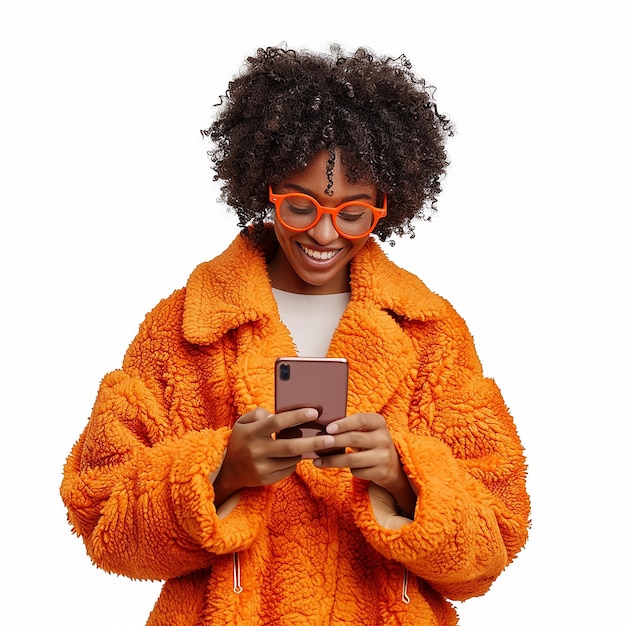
[255, 458]
[373, 457]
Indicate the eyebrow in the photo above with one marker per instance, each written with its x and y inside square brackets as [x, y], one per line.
[307, 192]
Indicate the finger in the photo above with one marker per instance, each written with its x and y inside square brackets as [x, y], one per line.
[369, 465]
[365, 460]
[355, 422]
[334, 460]
[288, 419]
[365, 440]
[256, 415]
[276, 469]
[266, 423]
[296, 448]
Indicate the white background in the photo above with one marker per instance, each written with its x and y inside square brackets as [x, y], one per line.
[107, 204]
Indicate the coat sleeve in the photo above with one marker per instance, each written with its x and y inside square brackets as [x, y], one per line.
[462, 453]
[137, 484]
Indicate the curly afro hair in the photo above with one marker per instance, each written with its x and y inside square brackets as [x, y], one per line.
[287, 105]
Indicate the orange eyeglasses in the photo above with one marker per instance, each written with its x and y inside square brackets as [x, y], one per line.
[299, 212]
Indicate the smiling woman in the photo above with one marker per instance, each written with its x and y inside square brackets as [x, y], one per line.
[417, 495]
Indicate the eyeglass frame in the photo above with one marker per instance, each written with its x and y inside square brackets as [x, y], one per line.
[377, 212]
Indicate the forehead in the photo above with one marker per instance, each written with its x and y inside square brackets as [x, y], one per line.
[325, 175]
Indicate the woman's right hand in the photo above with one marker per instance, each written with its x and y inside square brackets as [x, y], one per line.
[255, 458]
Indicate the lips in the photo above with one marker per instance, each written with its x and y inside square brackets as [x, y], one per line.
[319, 255]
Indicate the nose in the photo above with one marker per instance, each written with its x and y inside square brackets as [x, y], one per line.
[324, 231]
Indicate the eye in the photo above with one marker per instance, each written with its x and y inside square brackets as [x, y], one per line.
[298, 205]
[353, 214]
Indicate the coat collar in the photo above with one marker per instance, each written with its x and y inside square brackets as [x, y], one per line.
[233, 291]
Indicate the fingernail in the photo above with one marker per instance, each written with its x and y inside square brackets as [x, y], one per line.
[329, 442]
[332, 428]
[310, 414]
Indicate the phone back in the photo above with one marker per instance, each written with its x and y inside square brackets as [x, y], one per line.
[319, 383]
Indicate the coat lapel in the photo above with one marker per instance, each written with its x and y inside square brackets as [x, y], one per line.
[230, 300]
[231, 296]
[370, 333]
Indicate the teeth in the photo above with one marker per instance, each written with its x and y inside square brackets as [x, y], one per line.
[320, 256]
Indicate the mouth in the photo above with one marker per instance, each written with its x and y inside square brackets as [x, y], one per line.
[319, 255]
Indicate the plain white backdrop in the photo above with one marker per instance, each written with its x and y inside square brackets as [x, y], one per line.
[107, 204]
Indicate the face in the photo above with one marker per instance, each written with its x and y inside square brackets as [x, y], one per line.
[317, 261]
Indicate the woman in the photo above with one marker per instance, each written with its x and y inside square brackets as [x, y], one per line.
[179, 474]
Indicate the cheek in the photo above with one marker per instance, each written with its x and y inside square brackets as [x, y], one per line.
[283, 237]
[357, 244]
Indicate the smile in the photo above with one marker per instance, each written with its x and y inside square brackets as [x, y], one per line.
[318, 255]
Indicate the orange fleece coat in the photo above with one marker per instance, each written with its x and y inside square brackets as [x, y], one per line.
[309, 549]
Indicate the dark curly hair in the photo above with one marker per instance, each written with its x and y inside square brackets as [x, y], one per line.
[287, 105]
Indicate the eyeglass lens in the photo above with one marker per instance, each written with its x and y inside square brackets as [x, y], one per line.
[298, 212]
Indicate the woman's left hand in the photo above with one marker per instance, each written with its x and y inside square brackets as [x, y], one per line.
[373, 456]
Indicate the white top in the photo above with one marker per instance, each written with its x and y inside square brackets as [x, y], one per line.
[311, 320]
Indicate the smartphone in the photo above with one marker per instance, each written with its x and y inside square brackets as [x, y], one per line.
[311, 382]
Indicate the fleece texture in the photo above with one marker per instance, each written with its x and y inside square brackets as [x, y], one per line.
[307, 550]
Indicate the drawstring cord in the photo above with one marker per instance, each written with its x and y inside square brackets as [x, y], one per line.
[405, 587]
[237, 588]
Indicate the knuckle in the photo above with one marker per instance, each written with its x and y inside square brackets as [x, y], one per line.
[353, 440]
[350, 460]
[292, 447]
